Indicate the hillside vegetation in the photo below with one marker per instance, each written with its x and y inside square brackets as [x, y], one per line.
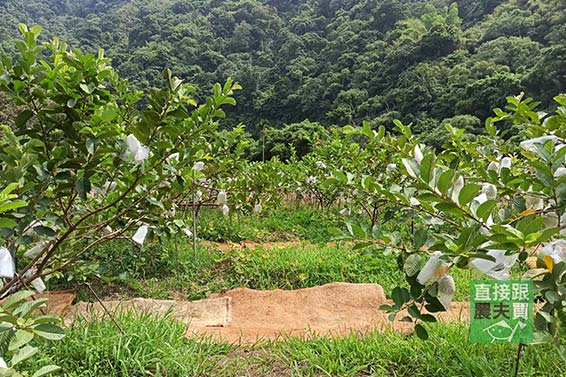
[329, 61]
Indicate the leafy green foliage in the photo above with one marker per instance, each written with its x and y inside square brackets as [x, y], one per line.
[9, 202]
[92, 162]
[476, 205]
[331, 62]
[21, 326]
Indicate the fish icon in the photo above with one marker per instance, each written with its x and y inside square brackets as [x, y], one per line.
[502, 331]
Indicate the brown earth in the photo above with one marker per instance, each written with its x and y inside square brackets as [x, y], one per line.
[58, 302]
[203, 313]
[334, 309]
[265, 245]
[246, 316]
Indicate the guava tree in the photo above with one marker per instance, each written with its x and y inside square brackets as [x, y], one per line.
[366, 161]
[259, 185]
[211, 178]
[486, 205]
[20, 324]
[334, 156]
[93, 159]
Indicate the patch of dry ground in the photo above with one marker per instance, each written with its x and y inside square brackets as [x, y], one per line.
[246, 316]
[213, 312]
[333, 309]
[266, 245]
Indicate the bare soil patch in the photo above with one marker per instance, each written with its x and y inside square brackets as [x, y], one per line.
[203, 313]
[253, 245]
[334, 309]
[246, 316]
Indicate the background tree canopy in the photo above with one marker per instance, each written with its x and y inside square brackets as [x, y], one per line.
[329, 61]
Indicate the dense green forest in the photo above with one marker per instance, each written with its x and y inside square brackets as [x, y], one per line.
[328, 61]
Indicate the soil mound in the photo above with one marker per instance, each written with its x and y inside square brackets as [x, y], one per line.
[201, 313]
[333, 309]
[246, 316]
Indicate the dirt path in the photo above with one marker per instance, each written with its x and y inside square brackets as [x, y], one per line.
[266, 245]
[333, 309]
[246, 316]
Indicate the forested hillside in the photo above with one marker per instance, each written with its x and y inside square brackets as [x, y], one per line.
[329, 61]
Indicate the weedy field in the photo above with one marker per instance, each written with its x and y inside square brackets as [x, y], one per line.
[299, 253]
[157, 346]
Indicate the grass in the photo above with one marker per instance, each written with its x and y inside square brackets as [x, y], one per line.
[177, 274]
[168, 269]
[156, 269]
[446, 353]
[150, 346]
[278, 224]
[157, 347]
